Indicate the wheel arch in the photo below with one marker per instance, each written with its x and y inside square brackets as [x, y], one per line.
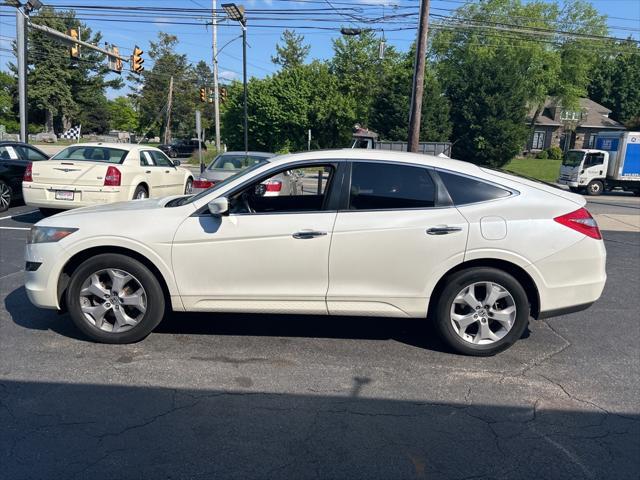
[78, 258]
[516, 271]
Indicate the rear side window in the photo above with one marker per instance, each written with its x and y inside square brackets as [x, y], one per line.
[464, 190]
[376, 186]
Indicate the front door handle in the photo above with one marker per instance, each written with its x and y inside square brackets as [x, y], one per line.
[443, 230]
[306, 234]
[148, 171]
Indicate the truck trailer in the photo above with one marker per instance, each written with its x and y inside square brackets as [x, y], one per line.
[613, 163]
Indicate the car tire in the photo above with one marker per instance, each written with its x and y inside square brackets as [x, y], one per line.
[595, 188]
[469, 340]
[140, 193]
[173, 154]
[5, 196]
[115, 310]
[188, 188]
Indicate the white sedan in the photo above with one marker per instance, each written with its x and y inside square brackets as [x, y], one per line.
[388, 234]
[94, 173]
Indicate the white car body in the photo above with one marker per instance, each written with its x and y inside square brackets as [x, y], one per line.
[83, 181]
[369, 262]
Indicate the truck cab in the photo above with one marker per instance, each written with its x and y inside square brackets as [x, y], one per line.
[584, 169]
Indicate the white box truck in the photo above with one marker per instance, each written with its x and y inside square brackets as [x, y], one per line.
[613, 163]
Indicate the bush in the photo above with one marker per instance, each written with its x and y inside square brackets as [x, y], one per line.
[542, 155]
[554, 153]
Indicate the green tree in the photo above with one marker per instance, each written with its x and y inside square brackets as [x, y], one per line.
[293, 51]
[8, 87]
[152, 90]
[360, 71]
[122, 115]
[488, 106]
[390, 109]
[615, 83]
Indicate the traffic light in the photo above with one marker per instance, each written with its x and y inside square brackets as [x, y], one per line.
[203, 94]
[74, 49]
[223, 94]
[117, 63]
[137, 60]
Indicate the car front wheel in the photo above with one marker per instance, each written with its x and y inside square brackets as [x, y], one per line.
[5, 196]
[113, 298]
[482, 311]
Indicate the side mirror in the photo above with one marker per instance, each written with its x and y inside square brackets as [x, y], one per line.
[218, 206]
[176, 163]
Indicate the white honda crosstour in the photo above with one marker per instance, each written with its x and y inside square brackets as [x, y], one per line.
[372, 233]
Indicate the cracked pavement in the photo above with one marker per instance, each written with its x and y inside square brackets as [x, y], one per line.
[261, 396]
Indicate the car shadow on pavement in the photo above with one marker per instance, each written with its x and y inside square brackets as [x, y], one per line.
[413, 332]
[93, 431]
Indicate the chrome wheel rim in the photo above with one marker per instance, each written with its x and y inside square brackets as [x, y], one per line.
[113, 300]
[5, 196]
[595, 187]
[189, 188]
[483, 313]
[141, 194]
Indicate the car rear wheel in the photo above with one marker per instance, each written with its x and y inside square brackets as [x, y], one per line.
[113, 298]
[140, 193]
[595, 187]
[482, 311]
[188, 188]
[5, 196]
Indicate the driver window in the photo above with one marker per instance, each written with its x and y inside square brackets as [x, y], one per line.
[594, 159]
[302, 189]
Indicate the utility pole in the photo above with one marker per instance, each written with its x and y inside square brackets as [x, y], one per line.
[21, 47]
[216, 93]
[167, 130]
[415, 111]
[244, 81]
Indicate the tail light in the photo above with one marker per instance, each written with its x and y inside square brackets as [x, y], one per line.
[203, 183]
[581, 221]
[113, 177]
[28, 173]
[273, 186]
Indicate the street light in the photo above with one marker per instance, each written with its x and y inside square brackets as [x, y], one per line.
[236, 13]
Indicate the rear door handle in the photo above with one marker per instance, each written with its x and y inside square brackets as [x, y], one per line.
[148, 171]
[306, 234]
[443, 230]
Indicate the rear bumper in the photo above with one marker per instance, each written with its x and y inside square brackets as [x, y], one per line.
[44, 195]
[572, 279]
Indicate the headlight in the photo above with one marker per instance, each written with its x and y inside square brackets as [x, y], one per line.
[48, 234]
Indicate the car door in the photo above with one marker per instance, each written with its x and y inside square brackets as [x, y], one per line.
[268, 254]
[154, 175]
[172, 177]
[594, 165]
[393, 240]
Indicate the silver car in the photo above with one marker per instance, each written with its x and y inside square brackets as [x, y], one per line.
[228, 164]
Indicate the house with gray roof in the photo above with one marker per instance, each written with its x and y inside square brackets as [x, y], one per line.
[569, 128]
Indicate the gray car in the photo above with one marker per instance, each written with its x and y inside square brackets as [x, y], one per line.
[228, 164]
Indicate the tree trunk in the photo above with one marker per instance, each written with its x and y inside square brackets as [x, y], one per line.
[66, 123]
[49, 121]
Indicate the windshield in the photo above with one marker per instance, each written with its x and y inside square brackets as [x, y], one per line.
[572, 158]
[186, 200]
[92, 154]
[235, 162]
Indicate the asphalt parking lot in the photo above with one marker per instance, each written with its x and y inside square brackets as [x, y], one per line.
[263, 396]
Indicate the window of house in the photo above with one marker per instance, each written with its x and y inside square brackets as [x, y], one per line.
[376, 186]
[570, 115]
[538, 140]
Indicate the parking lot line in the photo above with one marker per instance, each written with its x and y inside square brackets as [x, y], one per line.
[18, 215]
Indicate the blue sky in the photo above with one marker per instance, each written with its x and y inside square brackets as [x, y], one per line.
[195, 40]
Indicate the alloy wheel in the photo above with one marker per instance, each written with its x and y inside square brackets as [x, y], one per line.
[483, 313]
[5, 196]
[113, 300]
[142, 194]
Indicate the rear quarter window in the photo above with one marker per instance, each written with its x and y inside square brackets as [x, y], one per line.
[465, 190]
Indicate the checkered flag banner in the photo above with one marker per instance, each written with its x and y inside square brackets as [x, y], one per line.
[73, 133]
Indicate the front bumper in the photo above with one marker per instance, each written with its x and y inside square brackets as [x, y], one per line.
[568, 182]
[41, 285]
